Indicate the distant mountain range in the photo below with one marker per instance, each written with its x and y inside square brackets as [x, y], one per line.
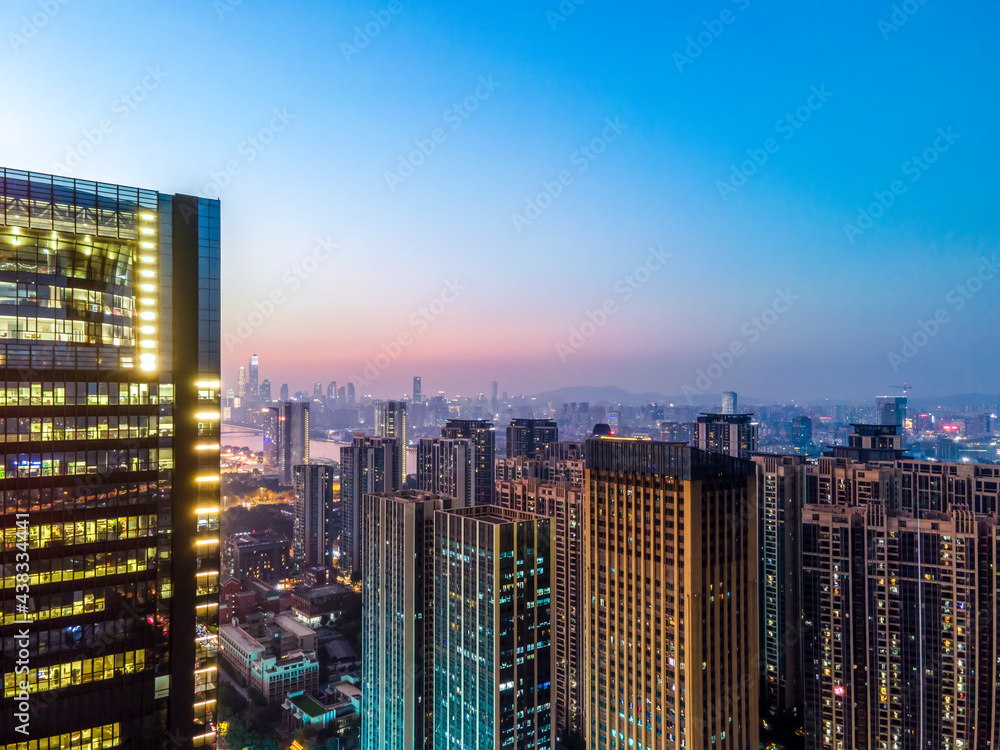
[610, 394]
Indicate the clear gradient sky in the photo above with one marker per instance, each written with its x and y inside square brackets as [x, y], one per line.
[184, 89]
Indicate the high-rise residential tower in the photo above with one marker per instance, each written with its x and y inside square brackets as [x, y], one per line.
[493, 656]
[783, 486]
[561, 501]
[397, 674]
[110, 393]
[368, 465]
[313, 530]
[390, 422]
[900, 604]
[730, 434]
[530, 437]
[670, 598]
[447, 466]
[265, 391]
[293, 439]
[483, 437]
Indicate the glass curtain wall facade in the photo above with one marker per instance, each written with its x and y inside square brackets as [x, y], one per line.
[109, 422]
[493, 657]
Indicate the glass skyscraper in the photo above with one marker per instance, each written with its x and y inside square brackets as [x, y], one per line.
[493, 658]
[109, 397]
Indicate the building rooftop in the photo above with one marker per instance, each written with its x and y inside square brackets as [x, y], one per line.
[241, 637]
[308, 705]
[293, 626]
[318, 592]
[253, 540]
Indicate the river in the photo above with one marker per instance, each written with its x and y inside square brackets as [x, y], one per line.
[254, 440]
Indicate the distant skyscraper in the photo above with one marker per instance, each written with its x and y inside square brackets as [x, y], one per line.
[729, 402]
[331, 390]
[678, 432]
[483, 437]
[493, 655]
[342, 395]
[271, 437]
[283, 392]
[253, 390]
[241, 384]
[446, 466]
[397, 674]
[417, 396]
[368, 465]
[562, 502]
[293, 439]
[317, 390]
[529, 437]
[265, 391]
[109, 363]
[312, 540]
[730, 434]
[494, 401]
[891, 410]
[390, 421]
[350, 394]
[802, 432]
[670, 598]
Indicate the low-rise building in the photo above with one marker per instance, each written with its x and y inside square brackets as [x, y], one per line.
[311, 605]
[275, 677]
[239, 649]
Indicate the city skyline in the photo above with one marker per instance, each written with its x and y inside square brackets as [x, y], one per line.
[384, 390]
[635, 159]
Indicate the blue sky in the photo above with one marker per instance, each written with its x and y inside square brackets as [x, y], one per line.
[355, 105]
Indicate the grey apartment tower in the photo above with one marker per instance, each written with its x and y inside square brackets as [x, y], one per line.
[368, 465]
[110, 398]
[483, 437]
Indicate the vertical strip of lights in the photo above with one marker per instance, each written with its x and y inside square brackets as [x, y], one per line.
[146, 285]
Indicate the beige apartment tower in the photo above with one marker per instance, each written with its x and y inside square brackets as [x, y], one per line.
[670, 598]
